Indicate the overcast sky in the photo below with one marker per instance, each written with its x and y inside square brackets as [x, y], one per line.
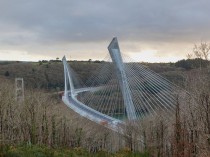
[147, 30]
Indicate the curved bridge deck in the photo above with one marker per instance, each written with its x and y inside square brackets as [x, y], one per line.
[90, 113]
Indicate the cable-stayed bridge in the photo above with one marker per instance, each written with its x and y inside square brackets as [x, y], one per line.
[120, 90]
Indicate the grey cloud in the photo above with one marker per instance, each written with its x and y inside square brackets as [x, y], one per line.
[60, 22]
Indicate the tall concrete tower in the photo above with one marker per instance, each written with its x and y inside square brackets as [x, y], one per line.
[115, 54]
[68, 80]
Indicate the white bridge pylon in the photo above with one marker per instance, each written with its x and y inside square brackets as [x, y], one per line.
[67, 78]
[115, 54]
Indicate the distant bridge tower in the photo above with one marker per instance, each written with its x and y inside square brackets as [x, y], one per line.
[68, 80]
[19, 89]
[115, 54]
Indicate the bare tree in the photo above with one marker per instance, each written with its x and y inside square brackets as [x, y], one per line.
[189, 56]
[202, 50]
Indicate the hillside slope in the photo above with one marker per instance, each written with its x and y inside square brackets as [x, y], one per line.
[49, 75]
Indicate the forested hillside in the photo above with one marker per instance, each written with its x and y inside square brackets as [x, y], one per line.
[49, 74]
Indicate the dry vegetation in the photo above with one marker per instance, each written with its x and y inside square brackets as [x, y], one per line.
[42, 119]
